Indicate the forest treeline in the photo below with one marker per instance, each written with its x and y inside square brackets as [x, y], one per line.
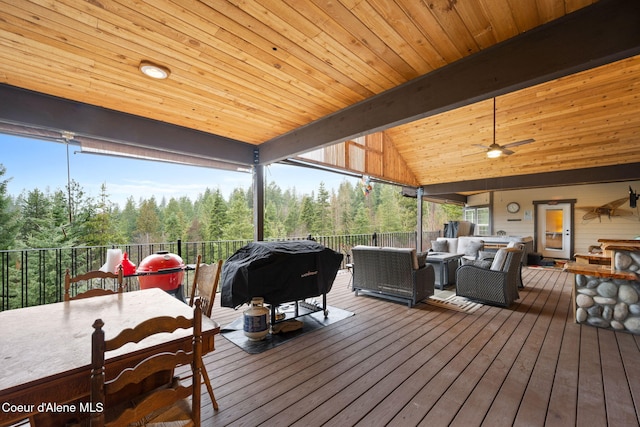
[71, 217]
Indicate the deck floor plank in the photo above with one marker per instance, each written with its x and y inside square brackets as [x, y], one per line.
[467, 379]
[538, 391]
[259, 384]
[629, 354]
[564, 392]
[481, 401]
[591, 408]
[508, 400]
[388, 364]
[428, 398]
[614, 378]
[423, 359]
[362, 358]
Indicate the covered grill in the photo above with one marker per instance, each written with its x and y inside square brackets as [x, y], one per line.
[279, 272]
[162, 270]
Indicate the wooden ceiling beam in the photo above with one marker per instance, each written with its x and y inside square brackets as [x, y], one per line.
[615, 173]
[451, 198]
[593, 36]
[38, 110]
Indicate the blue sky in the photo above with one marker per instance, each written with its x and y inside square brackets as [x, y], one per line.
[39, 164]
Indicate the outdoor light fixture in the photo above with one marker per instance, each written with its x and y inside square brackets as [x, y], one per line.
[153, 70]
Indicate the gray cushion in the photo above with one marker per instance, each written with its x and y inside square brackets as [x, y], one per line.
[498, 261]
[473, 247]
[439, 245]
[486, 255]
[480, 263]
[501, 264]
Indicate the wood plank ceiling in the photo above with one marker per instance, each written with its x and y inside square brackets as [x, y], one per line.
[249, 78]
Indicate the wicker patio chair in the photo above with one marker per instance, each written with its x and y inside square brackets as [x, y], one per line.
[497, 285]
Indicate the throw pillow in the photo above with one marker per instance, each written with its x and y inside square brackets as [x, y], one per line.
[498, 261]
[439, 245]
[486, 255]
[473, 247]
[482, 263]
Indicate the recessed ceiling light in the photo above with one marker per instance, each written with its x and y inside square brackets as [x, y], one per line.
[153, 70]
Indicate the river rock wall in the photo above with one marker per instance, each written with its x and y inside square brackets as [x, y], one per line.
[611, 303]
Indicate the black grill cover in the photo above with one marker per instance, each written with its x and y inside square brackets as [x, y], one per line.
[279, 272]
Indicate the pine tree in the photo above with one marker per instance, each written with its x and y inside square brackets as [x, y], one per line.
[8, 215]
[307, 214]
[149, 226]
[240, 226]
[100, 228]
[174, 222]
[128, 219]
[36, 217]
[388, 211]
[292, 217]
[217, 217]
[361, 224]
[344, 208]
[323, 224]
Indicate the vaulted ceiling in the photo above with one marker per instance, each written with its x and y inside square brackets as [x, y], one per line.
[256, 82]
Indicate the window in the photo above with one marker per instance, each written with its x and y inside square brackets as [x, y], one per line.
[480, 217]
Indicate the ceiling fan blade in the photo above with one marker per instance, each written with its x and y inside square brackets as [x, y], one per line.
[507, 152]
[486, 147]
[473, 154]
[517, 143]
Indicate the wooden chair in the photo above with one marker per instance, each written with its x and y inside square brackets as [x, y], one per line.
[205, 284]
[203, 289]
[166, 405]
[87, 277]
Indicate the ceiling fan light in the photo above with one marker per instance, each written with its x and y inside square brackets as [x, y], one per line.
[494, 153]
[153, 70]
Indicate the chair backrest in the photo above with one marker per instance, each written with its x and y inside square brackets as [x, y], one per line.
[507, 260]
[152, 401]
[205, 285]
[88, 277]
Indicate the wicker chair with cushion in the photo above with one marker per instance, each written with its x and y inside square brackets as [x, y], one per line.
[497, 284]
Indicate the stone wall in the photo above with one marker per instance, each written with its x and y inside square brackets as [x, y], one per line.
[611, 303]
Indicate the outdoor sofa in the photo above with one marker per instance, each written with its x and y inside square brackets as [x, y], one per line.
[398, 274]
[466, 246]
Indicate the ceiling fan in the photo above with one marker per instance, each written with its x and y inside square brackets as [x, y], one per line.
[496, 150]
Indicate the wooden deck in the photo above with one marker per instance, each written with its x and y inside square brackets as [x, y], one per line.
[390, 365]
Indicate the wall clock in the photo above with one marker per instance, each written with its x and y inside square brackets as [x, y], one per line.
[513, 207]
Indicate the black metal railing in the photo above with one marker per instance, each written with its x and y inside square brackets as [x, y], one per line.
[31, 277]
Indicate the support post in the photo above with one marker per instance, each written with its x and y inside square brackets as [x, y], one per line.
[258, 203]
[419, 193]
